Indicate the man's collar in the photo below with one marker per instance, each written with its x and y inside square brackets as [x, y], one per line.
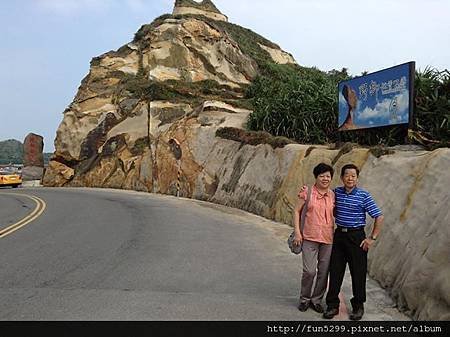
[353, 191]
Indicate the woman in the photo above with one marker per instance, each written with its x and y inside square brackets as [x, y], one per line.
[317, 237]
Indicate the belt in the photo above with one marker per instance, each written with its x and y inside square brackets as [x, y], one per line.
[349, 229]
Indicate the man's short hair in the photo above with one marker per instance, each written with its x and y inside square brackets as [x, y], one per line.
[349, 167]
[322, 168]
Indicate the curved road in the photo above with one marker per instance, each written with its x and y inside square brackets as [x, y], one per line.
[98, 254]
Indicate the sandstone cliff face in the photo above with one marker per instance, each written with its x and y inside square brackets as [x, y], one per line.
[412, 255]
[146, 118]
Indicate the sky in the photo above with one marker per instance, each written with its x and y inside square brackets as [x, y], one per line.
[46, 45]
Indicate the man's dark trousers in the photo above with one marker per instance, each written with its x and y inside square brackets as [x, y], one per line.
[346, 249]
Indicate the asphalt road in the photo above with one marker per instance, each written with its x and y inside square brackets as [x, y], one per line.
[98, 254]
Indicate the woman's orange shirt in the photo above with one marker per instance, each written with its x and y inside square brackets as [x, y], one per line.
[319, 222]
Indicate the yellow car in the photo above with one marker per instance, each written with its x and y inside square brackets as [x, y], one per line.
[9, 176]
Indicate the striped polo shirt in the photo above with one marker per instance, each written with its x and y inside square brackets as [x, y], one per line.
[351, 208]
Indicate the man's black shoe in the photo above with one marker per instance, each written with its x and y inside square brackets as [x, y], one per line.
[357, 314]
[316, 307]
[330, 313]
[303, 306]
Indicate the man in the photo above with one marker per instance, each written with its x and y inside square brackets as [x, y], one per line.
[350, 244]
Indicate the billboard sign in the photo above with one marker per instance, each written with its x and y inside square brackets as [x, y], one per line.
[381, 98]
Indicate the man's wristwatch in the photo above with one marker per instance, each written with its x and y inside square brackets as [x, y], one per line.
[373, 237]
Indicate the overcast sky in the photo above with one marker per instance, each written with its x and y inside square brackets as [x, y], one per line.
[46, 45]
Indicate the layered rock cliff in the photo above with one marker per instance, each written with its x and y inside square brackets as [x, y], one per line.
[178, 70]
[165, 113]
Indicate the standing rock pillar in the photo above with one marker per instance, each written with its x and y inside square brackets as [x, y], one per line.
[33, 158]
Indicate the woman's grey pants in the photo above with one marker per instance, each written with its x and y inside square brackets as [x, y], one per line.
[316, 260]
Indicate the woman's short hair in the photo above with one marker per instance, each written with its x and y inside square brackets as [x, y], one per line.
[322, 168]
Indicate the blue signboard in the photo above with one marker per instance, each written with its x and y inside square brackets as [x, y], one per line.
[379, 99]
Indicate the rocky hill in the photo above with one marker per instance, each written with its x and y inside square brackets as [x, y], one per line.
[166, 112]
[11, 151]
[192, 66]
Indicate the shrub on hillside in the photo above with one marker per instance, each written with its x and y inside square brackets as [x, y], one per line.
[295, 102]
[432, 113]
[252, 137]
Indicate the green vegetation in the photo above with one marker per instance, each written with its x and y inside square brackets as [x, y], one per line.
[138, 86]
[252, 137]
[379, 151]
[142, 88]
[140, 145]
[47, 157]
[240, 103]
[296, 102]
[248, 41]
[301, 103]
[207, 5]
[11, 152]
[432, 113]
[145, 29]
[202, 88]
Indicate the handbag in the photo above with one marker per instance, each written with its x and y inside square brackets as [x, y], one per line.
[297, 249]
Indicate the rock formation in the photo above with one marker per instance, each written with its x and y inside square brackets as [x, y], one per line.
[166, 112]
[205, 8]
[33, 159]
[182, 71]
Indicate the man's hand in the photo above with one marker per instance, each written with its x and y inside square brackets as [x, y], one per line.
[297, 239]
[366, 244]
